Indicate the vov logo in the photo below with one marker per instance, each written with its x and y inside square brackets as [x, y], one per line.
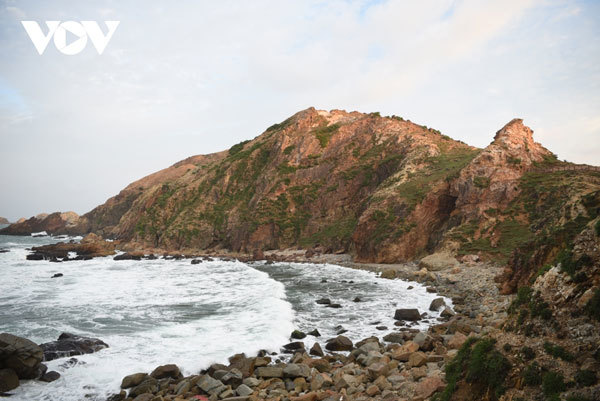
[81, 30]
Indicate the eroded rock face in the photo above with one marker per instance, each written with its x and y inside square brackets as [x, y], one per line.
[69, 344]
[90, 246]
[490, 181]
[20, 355]
[55, 223]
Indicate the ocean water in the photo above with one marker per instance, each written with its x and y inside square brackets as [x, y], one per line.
[165, 311]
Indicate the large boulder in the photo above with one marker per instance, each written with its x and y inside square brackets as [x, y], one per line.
[69, 345]
[21, 355]
[165, 371]
[439, 261]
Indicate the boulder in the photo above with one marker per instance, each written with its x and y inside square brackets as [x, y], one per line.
[316, 350]
[293, 370]
[8, 380]
[20, 355]
[127, 256]
[389, 274]
[437, 304]
[457, 340]
[447, 313]
[339, 343]
[269, 372]
[439, 261]
[165, 371]
[412, 315]
[298, 335]
[133, 380]
[57, 275]
[243, 391]
[323, 301]
[149, 385]
[428, 386]
[70, 344]
[397, 338]
[314, 333]
[294, 346]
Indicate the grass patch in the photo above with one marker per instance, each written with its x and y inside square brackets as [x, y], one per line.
[553, 383]
[289, 149]
[558, 352]
[585, 378]
[481, 182]
[237, 148]
[593, 306]
[324, 134]
[532, 375]
[477, 362]
[335, 234]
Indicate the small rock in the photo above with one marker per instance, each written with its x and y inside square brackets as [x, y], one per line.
[50, 376]
[243, 390]
[447, 313]
[323, 301]
[314, 333]
[357, 299]
[57, 275]
[336, 306]
[397, 338]
[196, 261]
[457, 340]
[437, 304]
[269, 372]
[298, 335]
[294, 346]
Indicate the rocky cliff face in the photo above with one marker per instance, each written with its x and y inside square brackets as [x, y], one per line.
[382, 188]
[54, 223]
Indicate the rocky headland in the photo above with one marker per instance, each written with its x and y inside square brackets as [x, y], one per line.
[509, 232]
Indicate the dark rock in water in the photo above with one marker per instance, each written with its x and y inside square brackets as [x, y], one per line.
[335, 306]
[341, 331]
[55, 260]
[410, 287]
[35, 256]
[21, 355]
[8, 380]
[437, 304]
[196, 261]
[357, 299]
[323, 280]
[381, 327]
[83, 257]
[339, 343]
[4, 250]
[69, 363]
[70, 344]
[298, 335]
[165, 371]
[431, 290]
[50, 376]
[151, 257]
[57, 275]
[412, 315]
[314, 333]
[323, 301]
[127, 256]
[316, 350]
[294, 346]
[41, 370]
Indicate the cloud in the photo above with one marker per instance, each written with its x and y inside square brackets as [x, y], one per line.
[182, 78]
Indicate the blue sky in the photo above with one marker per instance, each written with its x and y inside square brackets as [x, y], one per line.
[191, 77]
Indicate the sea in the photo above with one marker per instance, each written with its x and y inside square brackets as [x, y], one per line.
[154, 312]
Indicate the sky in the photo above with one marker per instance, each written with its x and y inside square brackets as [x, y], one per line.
[194, 77]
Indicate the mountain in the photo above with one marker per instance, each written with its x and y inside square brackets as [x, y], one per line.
[382, 188]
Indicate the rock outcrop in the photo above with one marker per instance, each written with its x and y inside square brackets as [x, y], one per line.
[54, 224]
[69, 344]
[21, 356]
[4, 220]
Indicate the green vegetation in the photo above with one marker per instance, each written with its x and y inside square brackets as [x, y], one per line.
[395, 117]
[515, 161]
[280, 126]
[445, 166]
[478, 362]
[528, 303]
[585, 378]
[375, 114]
[284, 168]
[481, 182]
[527, 353]
[575, 397]
[289, 149]
[593, 306]
[237, 148]
[335, 234]
[325, 133]
[532, 375]
[597, 228]
[558, 352]
[553, 383]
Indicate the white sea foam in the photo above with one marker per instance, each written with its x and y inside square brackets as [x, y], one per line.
[156, 311]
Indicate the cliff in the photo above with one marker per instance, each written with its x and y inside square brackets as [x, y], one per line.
[382, 188]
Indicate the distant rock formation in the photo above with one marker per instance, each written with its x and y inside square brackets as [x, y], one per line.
[4, 220]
